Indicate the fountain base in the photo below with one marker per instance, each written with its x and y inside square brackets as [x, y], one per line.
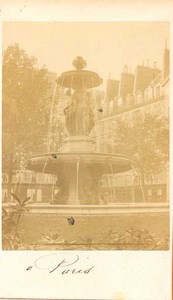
[73, 198]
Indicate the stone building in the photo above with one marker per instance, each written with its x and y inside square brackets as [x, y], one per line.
[145, 92]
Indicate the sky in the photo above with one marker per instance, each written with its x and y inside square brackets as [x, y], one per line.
[106, 46]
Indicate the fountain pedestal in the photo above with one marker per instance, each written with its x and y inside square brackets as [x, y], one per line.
[73, 198]
[76, 144]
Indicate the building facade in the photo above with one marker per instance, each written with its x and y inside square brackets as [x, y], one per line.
[145, 92]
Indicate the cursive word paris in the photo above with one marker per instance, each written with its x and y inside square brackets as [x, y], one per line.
[63, 264]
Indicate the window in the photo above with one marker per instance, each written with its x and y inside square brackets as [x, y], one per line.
[158, 108]
[136, 114]
[31, 193]
[39, 195]
[149, 192]
[4, 178]
[157, 91]
[4, 195]
[159, 192]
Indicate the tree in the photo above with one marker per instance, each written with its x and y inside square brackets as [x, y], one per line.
[58, 133]
[25, 101]
[10, 222]
[146, 142]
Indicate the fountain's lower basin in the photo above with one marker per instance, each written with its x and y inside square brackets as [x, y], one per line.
[80, 174]
[56, 163]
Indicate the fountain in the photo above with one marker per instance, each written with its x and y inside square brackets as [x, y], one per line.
[79, 168]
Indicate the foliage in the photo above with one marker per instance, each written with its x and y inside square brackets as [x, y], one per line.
[146, 142]
[59, 133]
[56, 239]
[53, 238]
[10, 222]
[25, 100]
[130, 239]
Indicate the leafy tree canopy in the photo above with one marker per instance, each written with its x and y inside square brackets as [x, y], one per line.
[25, 104]
[145, 141]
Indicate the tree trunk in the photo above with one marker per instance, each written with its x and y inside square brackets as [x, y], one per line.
[9, 185]
[140, 177]
[151, 178]
[143, 190]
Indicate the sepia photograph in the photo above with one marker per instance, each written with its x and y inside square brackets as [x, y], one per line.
[85, 135]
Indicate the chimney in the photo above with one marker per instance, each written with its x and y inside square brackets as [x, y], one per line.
[143, 77]
[155, 65]
[126, 84]
[166, 61]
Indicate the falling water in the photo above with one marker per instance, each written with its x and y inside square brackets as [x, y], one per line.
[71, 96]
[112, 188]
[96, 129]
[51, 117]
[52, 192]
[31, 177]
[77, 181]
[42, 174]
[96, 133]
[20, 177]
[30, 187]
[109, 183]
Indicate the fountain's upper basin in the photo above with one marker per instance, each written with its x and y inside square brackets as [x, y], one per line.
[55, 163]
[79, 79]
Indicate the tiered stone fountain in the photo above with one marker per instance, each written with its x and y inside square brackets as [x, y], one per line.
[78, 167]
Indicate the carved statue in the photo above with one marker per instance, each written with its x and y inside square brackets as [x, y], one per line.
[79, 114]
